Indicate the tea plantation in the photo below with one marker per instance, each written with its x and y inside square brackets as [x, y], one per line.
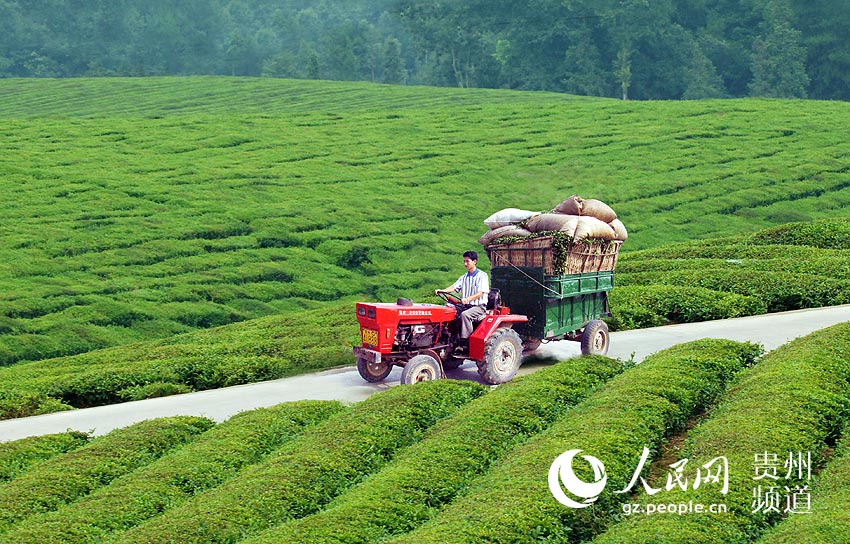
[166, 235]
[142, 208]
[449, 461]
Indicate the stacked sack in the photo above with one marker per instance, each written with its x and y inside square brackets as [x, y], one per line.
[575, 217]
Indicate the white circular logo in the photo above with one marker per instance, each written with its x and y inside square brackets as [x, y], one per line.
[561, 471]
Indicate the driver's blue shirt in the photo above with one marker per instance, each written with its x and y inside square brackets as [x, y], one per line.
[471, 284]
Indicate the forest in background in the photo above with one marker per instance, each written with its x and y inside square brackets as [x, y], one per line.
[637, 49]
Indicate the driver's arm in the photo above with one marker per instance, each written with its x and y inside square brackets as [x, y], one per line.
[476, 296]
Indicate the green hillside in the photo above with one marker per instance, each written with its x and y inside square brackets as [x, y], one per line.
[140, 209]
[777, 269]
[143, 208]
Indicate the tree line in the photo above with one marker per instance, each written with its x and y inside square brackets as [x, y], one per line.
[641, 49]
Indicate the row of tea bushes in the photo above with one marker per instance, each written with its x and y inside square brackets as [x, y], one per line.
[69, 477]
[18, 456]
[794, 266]
[639, 408]
[303, 476]
[430, 474]
[778, 290]
[267, 348]
[206, 462]
[831, 233]
[641, 306]
[794, 401]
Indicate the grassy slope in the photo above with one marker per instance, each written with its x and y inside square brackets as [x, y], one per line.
[149, 207]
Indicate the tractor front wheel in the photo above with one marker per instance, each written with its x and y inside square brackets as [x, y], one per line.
[373, 372]
[421, 368]
[595, 338]
[502, 356]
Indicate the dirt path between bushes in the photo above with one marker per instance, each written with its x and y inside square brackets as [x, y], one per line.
[345, 384]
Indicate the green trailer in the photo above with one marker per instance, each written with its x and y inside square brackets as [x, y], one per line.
[558, 306]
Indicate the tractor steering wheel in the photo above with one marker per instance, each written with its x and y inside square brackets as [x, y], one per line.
[450, 298]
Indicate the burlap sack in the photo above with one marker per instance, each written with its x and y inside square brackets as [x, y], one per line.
[591, 227]
[508, 216]
[619, 230]
[507, 230]
[553, 221]
[599, 210]
[570, 206]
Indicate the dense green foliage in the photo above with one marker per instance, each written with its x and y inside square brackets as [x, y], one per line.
[793, 266]
[204, 463]
[18, 456]
[66, 478]
[648, 50]
[797, 399]
[304, 475]
[154, 206]
[452, 462]
[432, 473]
[828, 522]
[263, 349]
[639, 408]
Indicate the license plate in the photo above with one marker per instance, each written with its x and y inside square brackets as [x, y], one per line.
[369, 337]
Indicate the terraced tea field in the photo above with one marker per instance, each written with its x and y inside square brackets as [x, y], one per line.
[448, 461]
[143, 208]
[166, 235]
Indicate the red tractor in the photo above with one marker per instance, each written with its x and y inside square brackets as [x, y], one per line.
[425, 340]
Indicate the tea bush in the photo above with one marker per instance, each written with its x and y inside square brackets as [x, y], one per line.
[161, 205]
[639, 306]
[306, 474]
[18, 456]
[208, 461]
[69, 477]
[263, 349]
[428, 475]
[827, 523]
[639, 408]
[794, 400]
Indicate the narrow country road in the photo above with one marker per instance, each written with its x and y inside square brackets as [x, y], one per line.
[345, 384]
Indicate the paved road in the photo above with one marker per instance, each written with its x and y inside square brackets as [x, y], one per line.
[345, 384]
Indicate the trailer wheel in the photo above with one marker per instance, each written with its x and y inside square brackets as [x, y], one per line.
[421, 368]
[595, 338]
[373, 372]
[502, 356]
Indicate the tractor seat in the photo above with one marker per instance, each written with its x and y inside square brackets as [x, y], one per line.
[494, 299]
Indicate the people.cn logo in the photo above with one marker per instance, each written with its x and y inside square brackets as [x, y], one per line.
[561, 472]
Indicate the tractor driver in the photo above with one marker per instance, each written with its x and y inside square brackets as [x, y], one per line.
[474, 287]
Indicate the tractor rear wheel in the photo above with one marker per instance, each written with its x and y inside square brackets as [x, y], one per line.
[502, 356]
[420, 368]
[373, 372]
[595, 338]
